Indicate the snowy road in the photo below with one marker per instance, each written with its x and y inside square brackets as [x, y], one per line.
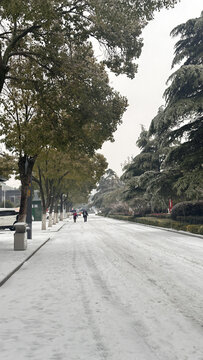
[106, 289]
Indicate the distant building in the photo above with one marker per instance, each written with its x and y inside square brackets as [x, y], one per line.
[9, 194]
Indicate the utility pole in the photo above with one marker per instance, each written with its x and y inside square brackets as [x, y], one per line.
[29, 211]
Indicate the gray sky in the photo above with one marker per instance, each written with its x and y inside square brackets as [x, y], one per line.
[145, 91]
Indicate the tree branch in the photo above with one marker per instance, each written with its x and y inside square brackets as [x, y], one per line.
[35, 180]
[17, 38]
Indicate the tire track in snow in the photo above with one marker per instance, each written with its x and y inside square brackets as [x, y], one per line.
[157, 290]
[111, 299]
[165, 286]
[101, 348]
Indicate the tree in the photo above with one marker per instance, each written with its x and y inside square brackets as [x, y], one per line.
[78, 111]
[8, 165]
[147, 160]
[170, 162]
[140, 173]
[189, 47]
[38, 31]
[46, 40]
[107, 194]
[180, 125]
[58, 174]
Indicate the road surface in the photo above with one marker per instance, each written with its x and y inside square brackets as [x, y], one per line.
[106, 289]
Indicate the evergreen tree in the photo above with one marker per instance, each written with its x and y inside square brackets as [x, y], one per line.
[140, 174]
[108, 191]
[180, 126]
[171, 158]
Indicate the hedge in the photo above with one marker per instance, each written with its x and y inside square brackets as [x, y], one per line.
[159, 215]
[190, 219]
[165, 223]
[189, 208]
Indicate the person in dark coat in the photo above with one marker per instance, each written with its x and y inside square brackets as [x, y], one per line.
[75, 216]
[85, 214]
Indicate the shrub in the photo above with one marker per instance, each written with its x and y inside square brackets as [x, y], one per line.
[152, 221]
[119, 209]
[121, 217]
[166, 223]
[190, 219]
[200, 230]
[190, 208]
[160, 215]
[193, 229]
[105, 211]
[136, 215]
[179, 226]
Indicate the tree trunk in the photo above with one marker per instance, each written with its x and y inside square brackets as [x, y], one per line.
[50, 214]
[56, 218]
[61, 207]
[61, 216]
[50, 220]
[44, 215]
[25, 165]
[42, 195]
[55, 214]
[3, 71]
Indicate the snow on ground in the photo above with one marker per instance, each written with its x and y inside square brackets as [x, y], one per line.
[106, 289]
[10, 259]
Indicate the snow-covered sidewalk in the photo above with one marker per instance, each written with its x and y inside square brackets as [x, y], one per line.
[10, 259]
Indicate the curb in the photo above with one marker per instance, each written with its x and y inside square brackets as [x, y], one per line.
[7, 277]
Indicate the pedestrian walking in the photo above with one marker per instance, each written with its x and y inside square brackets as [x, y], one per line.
[85, 214]
[75, 216]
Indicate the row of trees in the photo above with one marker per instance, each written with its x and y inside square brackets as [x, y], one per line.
[56, 99]
[63, 179]
[170, 162]
[70, 118]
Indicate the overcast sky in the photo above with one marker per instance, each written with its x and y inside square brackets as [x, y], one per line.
[145, 91]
